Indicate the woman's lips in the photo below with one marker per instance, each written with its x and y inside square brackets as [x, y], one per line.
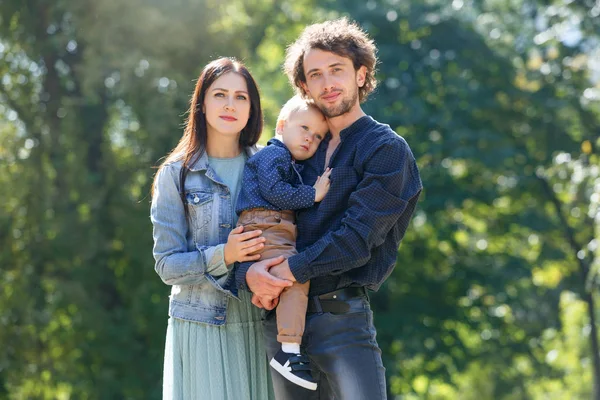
[228, 118]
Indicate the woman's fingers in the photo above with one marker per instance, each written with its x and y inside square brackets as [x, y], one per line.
[251, 243]
[248, 235]
[252, 249]
[254, 257]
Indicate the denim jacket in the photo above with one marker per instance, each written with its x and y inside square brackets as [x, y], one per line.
[189, 254]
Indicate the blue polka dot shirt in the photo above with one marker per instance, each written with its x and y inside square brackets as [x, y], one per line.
[272, 180]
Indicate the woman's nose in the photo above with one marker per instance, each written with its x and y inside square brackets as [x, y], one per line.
[229, 105]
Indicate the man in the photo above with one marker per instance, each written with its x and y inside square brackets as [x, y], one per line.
[347, 243]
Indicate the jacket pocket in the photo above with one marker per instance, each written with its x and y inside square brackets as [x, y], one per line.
[200, 207]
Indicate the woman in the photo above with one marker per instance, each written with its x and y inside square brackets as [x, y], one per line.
[214, 347]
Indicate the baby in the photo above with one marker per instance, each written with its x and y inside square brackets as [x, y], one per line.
[272, 189]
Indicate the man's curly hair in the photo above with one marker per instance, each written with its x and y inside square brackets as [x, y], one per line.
[340, 36]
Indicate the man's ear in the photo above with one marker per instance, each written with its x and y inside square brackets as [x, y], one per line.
[279, 127]
[361, 76]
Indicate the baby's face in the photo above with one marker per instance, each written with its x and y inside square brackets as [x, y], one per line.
[303, 131]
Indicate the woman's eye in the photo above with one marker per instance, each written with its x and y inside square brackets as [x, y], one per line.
[219, 94]
[240, 97]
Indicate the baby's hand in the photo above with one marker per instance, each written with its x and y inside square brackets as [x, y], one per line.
[322, 185]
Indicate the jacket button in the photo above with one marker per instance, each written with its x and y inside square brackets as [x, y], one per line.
[225, 226]
[196, 199]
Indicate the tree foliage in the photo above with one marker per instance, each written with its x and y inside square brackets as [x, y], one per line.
[493, 293]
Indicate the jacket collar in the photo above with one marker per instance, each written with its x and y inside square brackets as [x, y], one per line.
[276, 142]
[201, 163]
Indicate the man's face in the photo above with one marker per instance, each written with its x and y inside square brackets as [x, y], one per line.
[332, 82]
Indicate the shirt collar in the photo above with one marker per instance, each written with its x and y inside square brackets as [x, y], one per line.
[357, 126]
[276, 142]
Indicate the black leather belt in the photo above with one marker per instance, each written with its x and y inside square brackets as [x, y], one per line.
[335, 302]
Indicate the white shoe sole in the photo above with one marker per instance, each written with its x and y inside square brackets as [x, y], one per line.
[291, 377]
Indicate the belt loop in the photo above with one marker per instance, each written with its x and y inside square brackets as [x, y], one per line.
[366, 291]
[317, 302]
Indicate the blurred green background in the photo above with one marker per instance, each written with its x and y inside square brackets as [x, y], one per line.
[494, 289]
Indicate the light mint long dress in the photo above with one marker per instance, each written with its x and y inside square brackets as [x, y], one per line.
[219, 362]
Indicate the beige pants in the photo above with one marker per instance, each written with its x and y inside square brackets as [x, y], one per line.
[279, 229]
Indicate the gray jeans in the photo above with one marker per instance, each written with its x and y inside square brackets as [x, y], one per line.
[345, 358]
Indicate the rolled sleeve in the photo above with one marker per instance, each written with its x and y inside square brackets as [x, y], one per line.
[215, 256]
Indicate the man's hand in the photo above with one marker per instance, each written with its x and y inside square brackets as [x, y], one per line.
[282, 271]
[264, 285]
[264, 303]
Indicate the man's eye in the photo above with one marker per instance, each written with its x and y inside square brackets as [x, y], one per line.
[315, 75]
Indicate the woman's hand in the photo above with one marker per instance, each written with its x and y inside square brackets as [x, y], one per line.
[240, 246]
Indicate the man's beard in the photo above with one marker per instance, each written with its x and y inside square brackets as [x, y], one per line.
[344, 107]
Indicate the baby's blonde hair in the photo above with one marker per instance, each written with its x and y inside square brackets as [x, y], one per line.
[294, 105]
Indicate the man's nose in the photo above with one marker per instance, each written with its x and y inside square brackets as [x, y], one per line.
[327, 82]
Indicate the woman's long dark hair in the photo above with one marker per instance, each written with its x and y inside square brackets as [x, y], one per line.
[192, 144]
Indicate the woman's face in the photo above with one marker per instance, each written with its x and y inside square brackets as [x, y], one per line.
[227, 106]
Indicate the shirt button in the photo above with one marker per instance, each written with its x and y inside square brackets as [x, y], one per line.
[225, 226]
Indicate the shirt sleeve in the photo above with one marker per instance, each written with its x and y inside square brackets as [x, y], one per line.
[389, 187]
[173, 262]
[273, 176]
[240, 275]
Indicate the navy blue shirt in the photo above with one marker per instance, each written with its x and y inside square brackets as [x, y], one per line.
[351, 238]
[271, 180]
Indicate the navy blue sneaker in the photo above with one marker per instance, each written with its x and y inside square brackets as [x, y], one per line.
[295, 368]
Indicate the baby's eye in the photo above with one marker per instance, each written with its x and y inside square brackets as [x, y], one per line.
[319, 137]
[305, 127]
